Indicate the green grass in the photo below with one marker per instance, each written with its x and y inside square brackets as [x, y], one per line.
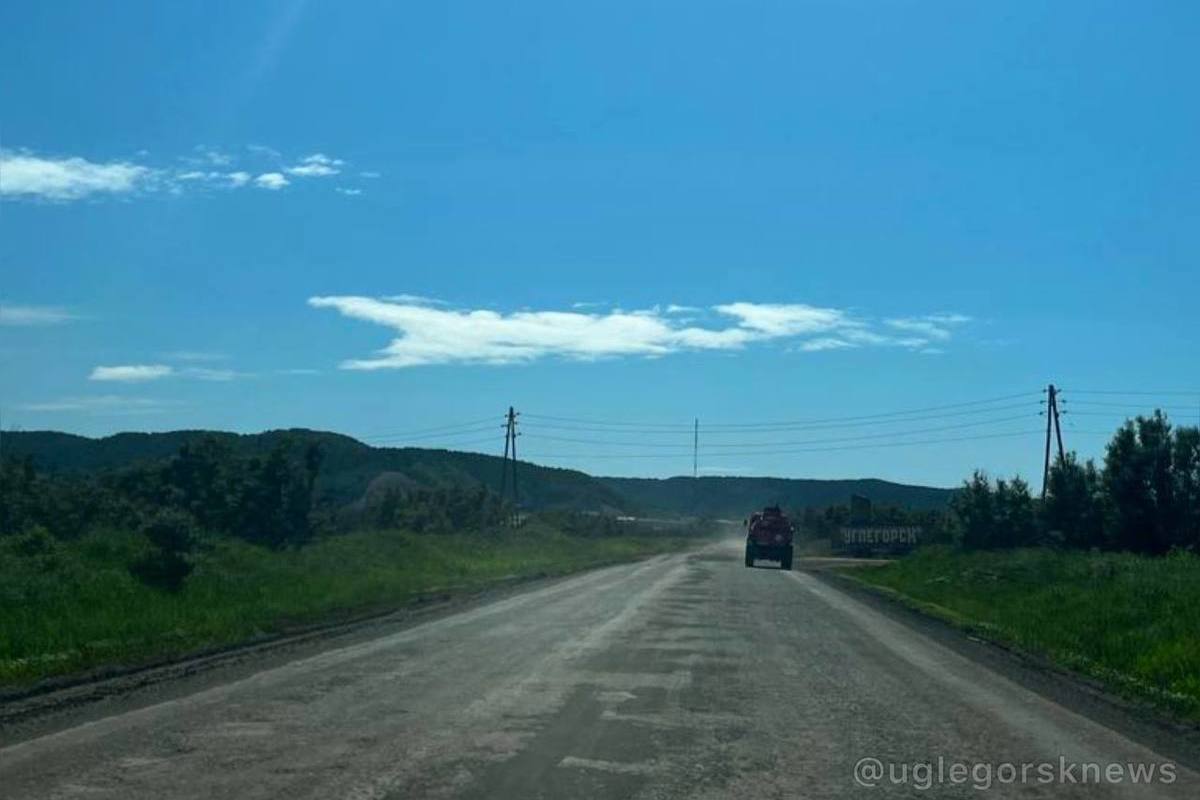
[76, 607]
[1132, 622]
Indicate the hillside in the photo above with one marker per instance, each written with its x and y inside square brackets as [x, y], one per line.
[351, 469]
[732, 496]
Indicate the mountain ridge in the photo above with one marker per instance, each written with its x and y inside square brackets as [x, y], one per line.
[351, 467]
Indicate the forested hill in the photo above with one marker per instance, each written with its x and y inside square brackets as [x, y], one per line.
[731, 497]
[350, 469]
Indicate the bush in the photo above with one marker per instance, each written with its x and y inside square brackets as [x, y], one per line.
[172, 535]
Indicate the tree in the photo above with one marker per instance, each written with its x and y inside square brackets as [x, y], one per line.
[1073, 510]
[1138, 479]
[173, 538]
[1015, 522]
[1186, 463]
[975, 508]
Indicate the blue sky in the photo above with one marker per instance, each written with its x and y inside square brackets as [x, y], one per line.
[378, 218]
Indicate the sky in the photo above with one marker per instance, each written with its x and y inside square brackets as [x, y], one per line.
[852, 239]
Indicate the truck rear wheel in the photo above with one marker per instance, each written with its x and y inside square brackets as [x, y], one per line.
[749, 556]
[786, 561]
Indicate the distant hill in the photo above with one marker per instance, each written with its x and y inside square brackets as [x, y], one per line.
[351, 469]
[733, 497]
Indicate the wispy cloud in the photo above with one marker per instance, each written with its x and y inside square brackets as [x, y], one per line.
[825, 343]
[25, 175]
[437, 335]
[20, 316]
[208, 155]
[98, 404]
[318, 165]
[414, 300]
[274, 181]
[933, 326]
[210, 374]
[131, 373]
[141, 373]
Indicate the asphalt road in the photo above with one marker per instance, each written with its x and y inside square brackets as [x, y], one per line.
[682, 676]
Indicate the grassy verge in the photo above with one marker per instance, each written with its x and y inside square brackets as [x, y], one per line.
[1132, 622]
[77, 607]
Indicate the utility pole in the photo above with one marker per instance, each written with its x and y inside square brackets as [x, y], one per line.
[695, 448]
[1052, 422]
[510, 445]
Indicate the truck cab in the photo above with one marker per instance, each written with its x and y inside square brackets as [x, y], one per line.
[769, 536]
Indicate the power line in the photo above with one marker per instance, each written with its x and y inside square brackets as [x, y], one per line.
[438, 435]
[419, 431]
[1124, 406]
[435, 445]
[885, 435]
[1008, 434]
[727, 431]
[784, 423]
[1074, 413]
[1132, 393]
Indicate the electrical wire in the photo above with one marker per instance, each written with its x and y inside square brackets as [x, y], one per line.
[419, 431]
[708, 447]
[708, 430]
[1131, 393]
[1125, 406]
[1009, 434]
[422, 437]
[437, 445]
[778, 424]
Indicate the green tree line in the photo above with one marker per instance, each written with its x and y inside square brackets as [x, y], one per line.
[1143, 498]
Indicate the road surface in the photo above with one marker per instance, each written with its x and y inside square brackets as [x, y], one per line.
[684, 676]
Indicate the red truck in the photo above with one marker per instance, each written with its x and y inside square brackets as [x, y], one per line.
[769, 536]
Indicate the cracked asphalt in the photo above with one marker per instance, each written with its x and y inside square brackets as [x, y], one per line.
[682, 676]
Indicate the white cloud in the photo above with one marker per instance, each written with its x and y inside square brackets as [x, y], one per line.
[273, 181]
[413, 299]
[298, 371]
[33, 315]
[214, 157]
[131, 373]
[825, 343]
[26, 175]
[23, 174]
[209, 374]
[369, 173]
[316, 165]
[348, 192]
[99, 404]
[263, 151]
[774, 319]
[434, 335]
[932, 326]
[136, 373]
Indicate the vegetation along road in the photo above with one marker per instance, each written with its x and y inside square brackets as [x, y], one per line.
[684, 675]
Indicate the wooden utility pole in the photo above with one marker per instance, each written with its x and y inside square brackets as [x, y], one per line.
[510, 445]
[695, 448]
[1052, 422]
